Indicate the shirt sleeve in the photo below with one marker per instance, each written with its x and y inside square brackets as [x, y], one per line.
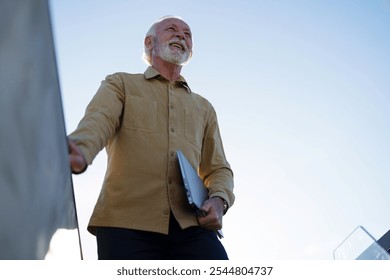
[101, 119]
[214, 168]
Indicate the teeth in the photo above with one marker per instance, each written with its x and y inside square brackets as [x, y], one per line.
[177, 45]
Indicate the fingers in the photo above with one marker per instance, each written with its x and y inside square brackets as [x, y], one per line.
[210, 222]
[77, 161]
[213, 218]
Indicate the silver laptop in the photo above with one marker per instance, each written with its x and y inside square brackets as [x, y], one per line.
[196, 191]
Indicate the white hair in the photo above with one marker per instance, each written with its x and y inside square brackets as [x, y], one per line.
[147, 54]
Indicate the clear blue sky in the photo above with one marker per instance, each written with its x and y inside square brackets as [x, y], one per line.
[302, 93]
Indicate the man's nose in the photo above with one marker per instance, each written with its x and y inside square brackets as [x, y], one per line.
[180, 35]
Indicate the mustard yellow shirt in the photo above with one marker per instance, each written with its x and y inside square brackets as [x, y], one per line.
[142, 120]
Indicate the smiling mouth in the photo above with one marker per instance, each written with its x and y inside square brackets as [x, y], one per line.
[177, 45]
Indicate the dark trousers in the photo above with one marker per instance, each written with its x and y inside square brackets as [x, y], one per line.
[194, 243]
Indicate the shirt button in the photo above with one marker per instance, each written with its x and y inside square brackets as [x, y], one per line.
[172, 130]
[169, 180]
[171, 106]
[166, 212]
[172, 154]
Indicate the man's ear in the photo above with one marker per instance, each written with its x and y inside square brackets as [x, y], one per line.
[149, 42]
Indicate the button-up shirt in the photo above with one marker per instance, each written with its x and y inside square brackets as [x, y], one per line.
[142, 120]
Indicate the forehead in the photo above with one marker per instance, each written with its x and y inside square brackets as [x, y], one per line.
[173, 22]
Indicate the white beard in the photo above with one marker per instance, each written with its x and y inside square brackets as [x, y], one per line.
[172, 56]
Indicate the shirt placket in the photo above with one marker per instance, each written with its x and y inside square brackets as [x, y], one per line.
[172, 134]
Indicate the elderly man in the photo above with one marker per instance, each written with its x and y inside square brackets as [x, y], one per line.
[142, 120]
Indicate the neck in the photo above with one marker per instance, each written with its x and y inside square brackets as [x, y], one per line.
[168, 70]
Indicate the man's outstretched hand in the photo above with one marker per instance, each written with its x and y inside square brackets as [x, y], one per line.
[77, 162]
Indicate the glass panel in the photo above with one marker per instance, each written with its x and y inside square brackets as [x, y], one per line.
[36, 194]
[360, 245]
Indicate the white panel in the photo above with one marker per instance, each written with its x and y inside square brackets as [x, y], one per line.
[36, 195]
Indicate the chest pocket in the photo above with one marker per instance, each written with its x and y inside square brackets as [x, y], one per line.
[194, 125]
[140, 114]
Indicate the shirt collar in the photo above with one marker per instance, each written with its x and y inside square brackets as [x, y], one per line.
[151, 73]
